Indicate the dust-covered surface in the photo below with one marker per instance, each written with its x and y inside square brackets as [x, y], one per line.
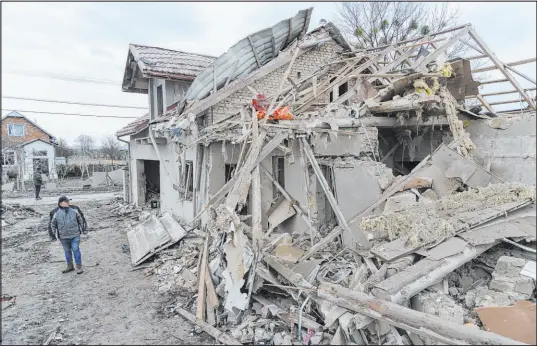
[107, 304]
[426, 221]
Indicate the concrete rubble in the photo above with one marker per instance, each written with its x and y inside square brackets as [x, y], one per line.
[407, 267]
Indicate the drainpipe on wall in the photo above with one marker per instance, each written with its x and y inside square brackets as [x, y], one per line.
[127, 194]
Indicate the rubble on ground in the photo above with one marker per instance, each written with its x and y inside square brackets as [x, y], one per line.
[422, 257]
[12, 213]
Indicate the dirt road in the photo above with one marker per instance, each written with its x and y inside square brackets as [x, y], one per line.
[107, 304]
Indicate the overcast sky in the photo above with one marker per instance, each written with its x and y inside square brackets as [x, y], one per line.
[91, 40]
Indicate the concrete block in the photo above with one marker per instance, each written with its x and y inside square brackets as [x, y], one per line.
[509, 266]
[98, 178]
[400, 201]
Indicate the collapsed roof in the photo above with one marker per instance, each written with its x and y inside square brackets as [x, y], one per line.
[249, 54]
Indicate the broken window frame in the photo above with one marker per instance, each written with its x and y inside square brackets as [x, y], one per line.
[6, 158]
[187, 181]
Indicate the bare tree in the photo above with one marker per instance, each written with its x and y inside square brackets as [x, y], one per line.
[374, 24]
[111, 147]
[84, 145]
[63, 149]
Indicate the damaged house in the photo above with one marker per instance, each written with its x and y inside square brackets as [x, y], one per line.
[354, 186]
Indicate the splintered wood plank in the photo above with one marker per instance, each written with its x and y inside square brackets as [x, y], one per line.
[200, 305]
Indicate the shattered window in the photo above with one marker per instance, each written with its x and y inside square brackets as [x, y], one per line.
[8, 158]
[229, 171]
[188, 180]
[15, 130]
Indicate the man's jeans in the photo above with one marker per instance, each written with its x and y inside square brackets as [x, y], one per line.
[72, 245]
[37, 190]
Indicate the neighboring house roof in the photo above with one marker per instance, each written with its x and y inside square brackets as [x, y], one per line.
[249, 54]
[16, 114]
[136, 126]
[147, 62]
[35, 140]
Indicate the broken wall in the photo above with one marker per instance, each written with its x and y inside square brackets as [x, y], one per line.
[302, 67]
[510, 151]
[169, 196]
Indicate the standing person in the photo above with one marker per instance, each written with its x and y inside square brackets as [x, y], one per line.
[67, 225]
[38, 181]
[53, 211]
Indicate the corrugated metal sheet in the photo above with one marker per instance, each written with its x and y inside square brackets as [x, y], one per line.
[167, 63]
[240, 59]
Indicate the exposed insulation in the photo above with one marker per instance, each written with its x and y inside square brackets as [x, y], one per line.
[424, 223]
[485, 197]
[466, 146]
[420, 222]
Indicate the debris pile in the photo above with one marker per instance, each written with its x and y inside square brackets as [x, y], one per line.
[353, 255]
[12, 213]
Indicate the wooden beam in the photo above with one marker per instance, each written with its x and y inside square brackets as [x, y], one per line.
[392, 150]
[500, 93]
[485, 104]
[500, 66]
[290, 30]
[254, 51]
[523, 75]
[483, 56]
[421, 66]
[212, 331]
[200, 305]
[494, 81]
[431, 326]
[362, 239]
[505, 102]
[336, 232]
[514, 63]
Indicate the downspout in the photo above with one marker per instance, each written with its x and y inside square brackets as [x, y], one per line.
[129, 193]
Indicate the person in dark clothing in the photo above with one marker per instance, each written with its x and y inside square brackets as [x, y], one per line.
[53, 211]
[38, 181]
[67, 225]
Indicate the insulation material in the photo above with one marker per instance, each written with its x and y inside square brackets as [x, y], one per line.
[485, 197]
[466, 146]
[424, 222]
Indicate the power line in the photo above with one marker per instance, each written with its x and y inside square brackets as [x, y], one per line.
[77, 114]
[64, 77]
[72, 103]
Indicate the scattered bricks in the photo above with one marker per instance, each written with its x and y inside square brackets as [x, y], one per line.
[487, 298]
[400, 201]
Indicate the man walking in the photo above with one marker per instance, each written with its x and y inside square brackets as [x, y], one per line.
[67, 225]
[38, 181]
[51, 215]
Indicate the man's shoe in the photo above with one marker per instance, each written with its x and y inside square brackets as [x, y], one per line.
[38, 198]
[69, 268]
[79, 269]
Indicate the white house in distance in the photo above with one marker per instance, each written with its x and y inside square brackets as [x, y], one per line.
[25, 145]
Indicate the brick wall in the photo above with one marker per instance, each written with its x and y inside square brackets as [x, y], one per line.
[31, 131]
[305, 64]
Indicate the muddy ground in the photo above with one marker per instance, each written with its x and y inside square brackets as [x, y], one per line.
[108, 304]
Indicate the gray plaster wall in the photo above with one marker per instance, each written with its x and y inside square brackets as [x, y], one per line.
[511, 151]
[169, 197]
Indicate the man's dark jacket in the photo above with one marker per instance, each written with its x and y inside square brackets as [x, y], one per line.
[38, 179]
[53, 211]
